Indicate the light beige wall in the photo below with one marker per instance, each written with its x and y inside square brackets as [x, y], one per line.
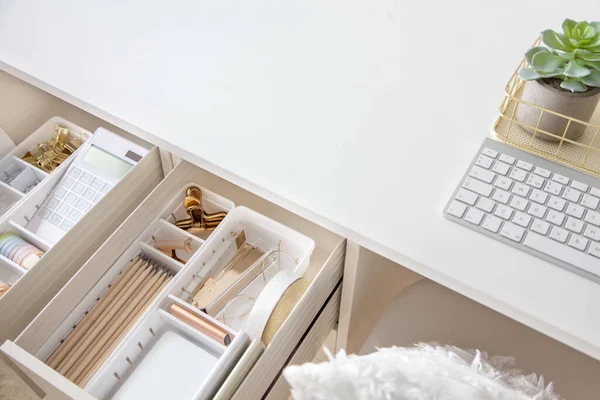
[23, 108]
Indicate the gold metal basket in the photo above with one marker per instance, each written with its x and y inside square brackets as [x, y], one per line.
[582, 154]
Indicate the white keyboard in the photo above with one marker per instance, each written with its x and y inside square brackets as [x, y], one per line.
[75, 194]
[531, 203]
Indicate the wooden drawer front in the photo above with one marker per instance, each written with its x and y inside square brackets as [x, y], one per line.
[35, 289]
[268, 368]
[324, 271]
[311, 343]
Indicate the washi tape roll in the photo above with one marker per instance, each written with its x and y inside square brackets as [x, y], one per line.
[19, 251]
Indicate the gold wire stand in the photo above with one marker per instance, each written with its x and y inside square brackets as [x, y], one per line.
[582, 154]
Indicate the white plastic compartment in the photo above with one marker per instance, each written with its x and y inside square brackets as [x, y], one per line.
[11, 163]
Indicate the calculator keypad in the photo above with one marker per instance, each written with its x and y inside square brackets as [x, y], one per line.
[73, 197]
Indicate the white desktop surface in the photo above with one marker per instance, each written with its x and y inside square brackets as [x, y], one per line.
[359, 115]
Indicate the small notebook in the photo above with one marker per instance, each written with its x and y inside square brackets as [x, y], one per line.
[173, 369]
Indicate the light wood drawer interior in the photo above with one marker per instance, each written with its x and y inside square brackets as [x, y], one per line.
[324, 272]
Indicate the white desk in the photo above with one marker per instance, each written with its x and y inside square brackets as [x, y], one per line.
[334, 110]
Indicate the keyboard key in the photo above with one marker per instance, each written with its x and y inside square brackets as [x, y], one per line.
[562, 253]
[55, 219]
[474, 216]
[542, 172]
[62, 209]
[89, 194]
[500, 168]
[478, 187]
[492, 223]
[486, 205]
[98, 198]
[507, 159]
[74, 215]
[589, 201]
[595, 249]
[571, 194]
[60, 192]
[105, 188]
[574, 225]
[501, 196]
[578, 242]
[503, 212]
[466, 196]
[553, 188]
[519, 203]
[489, 152]
[86, 178]
[503, 182]
[457, 209]
[67, 182]
[555, 218]
[595, 192]
[82, 205]
[518, 174]
[592, 232]
[556, 203]
[575, 210]
[524, 165]
[579, 186]
[97, 183]
[538, 196]
[45, 213]
[512, 232]
[78, 188]
[74, 172]
[482, 174]
[540, 226]
[535, 181]
[537, 210]
[70, 198]
[560, 179]
[593, 218]
[52, 203]
[521, 219]
[520, 189]
[558, 234]
[66, 225]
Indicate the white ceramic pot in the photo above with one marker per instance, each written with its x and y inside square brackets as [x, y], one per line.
[580, 106]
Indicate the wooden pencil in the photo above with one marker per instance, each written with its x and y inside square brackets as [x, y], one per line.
[114, 326]
[109, 347]
[103, 320]
[74, 336]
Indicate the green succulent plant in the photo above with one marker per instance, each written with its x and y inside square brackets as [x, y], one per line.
[573, 56]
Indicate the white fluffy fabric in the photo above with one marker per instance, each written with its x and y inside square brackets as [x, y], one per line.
[423, 372]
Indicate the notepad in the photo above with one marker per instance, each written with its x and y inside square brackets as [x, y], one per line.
[173, 369]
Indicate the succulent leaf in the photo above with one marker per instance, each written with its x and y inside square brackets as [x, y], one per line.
[574, 85]
[546, 62]
[533, 51]
[554, 41]
[567, 27]
[593, 79]
[576, 70]
[528, 74]
[593, 64]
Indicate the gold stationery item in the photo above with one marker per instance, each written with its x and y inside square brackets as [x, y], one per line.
[174, 244]
[3, 288]
[202, 325]
[47, 156]
[199, 220]
[234, 276]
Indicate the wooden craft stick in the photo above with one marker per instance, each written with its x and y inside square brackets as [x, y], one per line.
[112, 329]
[94, 313]
[109, 347]
[94, 331]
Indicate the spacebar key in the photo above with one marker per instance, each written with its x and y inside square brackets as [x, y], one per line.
[562, 252]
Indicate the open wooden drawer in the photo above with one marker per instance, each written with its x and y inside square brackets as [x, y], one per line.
[254, 379]
[32, 289]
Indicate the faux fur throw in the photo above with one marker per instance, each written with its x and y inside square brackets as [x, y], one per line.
[423, 372]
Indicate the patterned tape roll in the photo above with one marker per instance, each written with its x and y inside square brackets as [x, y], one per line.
[266, 302]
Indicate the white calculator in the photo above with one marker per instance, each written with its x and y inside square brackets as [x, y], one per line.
[102, 162]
